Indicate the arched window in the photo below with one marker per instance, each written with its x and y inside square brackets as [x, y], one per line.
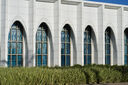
[15, 45]
[87, 45]
[108, 46]
[65, 46]
[41, 45]
[126, 47]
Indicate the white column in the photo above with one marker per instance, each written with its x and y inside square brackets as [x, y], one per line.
[4, 32]
[57, 34]
[120, 41]
[100, 38]
[80, 35]
[30, 35]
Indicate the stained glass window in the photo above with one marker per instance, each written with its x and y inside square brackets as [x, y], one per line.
[126, 47]
[108, 46]
[65, 47]
[15, 45]
[87, 46]
[41, 46]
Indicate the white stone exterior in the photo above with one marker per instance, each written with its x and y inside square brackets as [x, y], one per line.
[56, 13]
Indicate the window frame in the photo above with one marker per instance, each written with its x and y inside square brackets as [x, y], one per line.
[87, 43]
[65, 30]
[16, 27]
[42, 29]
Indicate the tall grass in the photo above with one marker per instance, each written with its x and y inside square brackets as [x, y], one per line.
[77, 74]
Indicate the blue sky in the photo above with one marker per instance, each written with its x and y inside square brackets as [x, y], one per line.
[124, 2]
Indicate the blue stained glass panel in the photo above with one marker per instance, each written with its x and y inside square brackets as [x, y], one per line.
[62, 36]
[89, 38]
[44, 48]
[67, 36]
[19, 35]
[62, 48]
[107, 59]
[85, 37]
[107, 39]
[45, 60]
[126, 60]
[38, 48]
[9, 37]
[39, 60]
[19, 48]
[14, 36]
[13, 48]
[62, 60]
[13, 60]
[9, 48]
[67, 60]
[89, 48]
[39, 36]
[9, 63]
[85, 59]
[67, 48]
[85, 49]
[19, 60]
[89, 59]
[126, 50]
[44, 36]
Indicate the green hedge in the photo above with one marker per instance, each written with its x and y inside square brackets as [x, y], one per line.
[90, 74]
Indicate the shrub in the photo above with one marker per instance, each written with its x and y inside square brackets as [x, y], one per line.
[76, 74]
[90, 76]
[39, 76]
[106, 74]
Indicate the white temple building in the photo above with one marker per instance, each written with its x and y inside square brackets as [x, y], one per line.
[62, 33]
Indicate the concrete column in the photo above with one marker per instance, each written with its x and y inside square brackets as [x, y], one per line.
[30, 35]
[80, 34]
[57, 33]
[4, 33]
[100, 38]
[120, 34]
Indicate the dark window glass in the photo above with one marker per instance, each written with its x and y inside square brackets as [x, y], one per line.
[107, 46]
[87, 46]
[44, 60]
[62, 60]
[41, 46]
[68, 60]
[65, 47]
[62, 36]
[15, 45]
[126, 47]
[39, 60]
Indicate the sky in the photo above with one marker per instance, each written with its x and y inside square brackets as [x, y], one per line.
[124, 2]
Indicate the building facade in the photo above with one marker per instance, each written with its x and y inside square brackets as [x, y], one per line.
[62, 33]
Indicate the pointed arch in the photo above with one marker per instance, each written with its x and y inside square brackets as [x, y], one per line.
[44, 45]
[90, 46]
[17, 42]
[68, 46]
[110, 47]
